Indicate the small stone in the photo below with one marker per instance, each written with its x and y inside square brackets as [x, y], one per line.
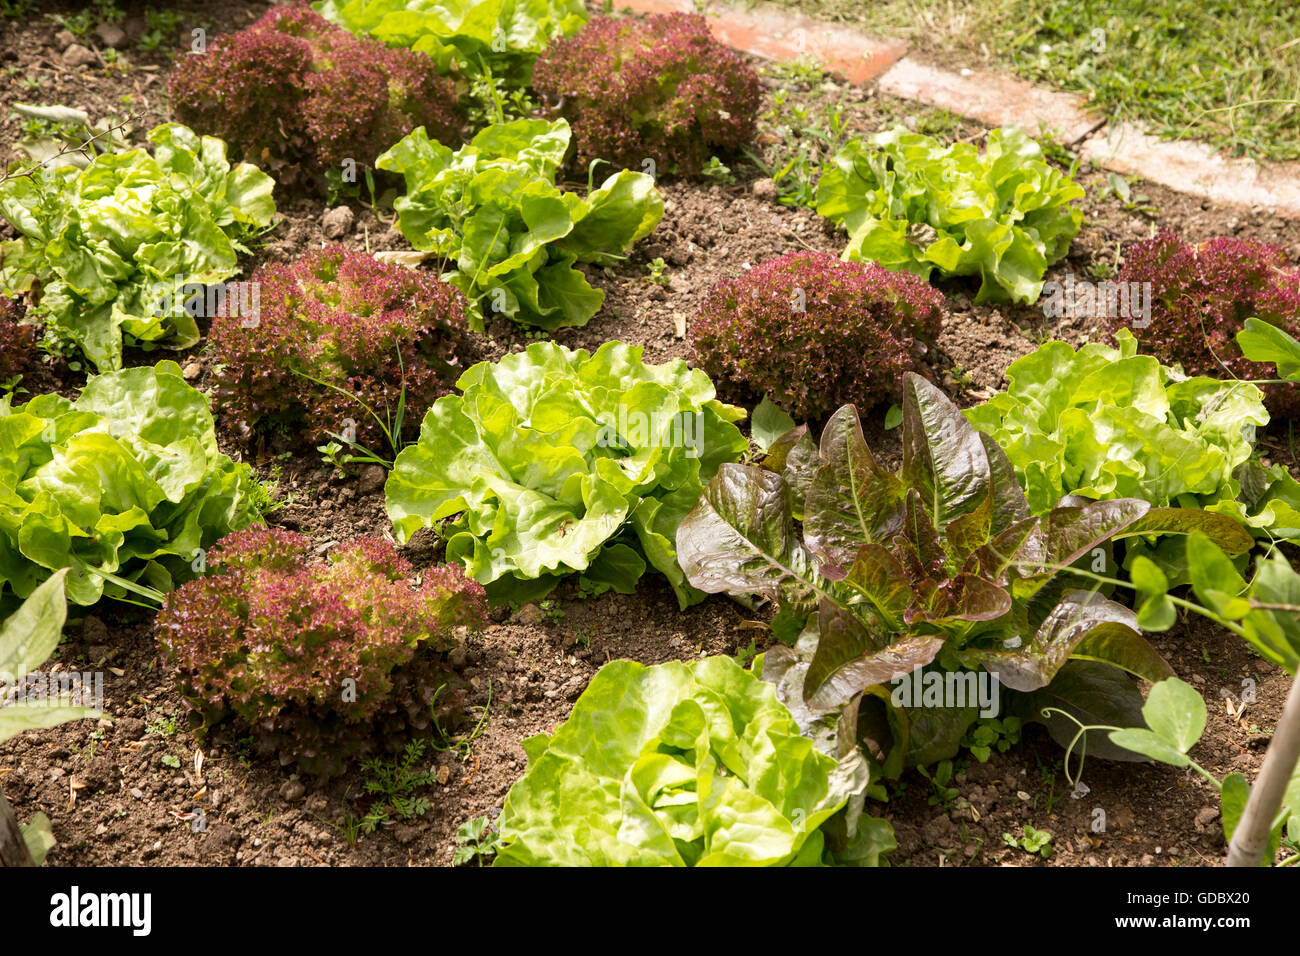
[64, 39]
[406, 833]
[78, 55]
[372, 480]
[1206, 816]
[1023, 796]
[678, 285]
[764, 189]
[937, 831]
[93, 630]
[529, 614]
[110, 34]
[192, 371]
[137, 793]
[680, 255]
[337, 223]
[129, 728]
[317, 803]
[293, 790]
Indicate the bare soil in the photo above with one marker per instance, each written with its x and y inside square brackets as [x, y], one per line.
[129, 790]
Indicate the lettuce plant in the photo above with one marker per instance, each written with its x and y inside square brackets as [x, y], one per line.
[681, 764]
[812, 332]
[27, 638]
[1202, 294]
[552, 462]
[941, 565]
[659, 89]
[1265, 343]
[913, 204]
[467, 36]
[126, 481]
[101, 249]
[321, 661]
[299, 95]
[493, 212]
[338, 336]
[1109, 423]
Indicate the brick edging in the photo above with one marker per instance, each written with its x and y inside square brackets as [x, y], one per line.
[996, 99]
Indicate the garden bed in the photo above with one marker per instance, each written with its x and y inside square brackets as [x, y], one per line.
[124, 791]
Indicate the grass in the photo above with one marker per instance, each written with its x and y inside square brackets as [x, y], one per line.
[1226, 72]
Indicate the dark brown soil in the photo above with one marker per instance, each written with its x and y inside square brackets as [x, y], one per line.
[127, 791]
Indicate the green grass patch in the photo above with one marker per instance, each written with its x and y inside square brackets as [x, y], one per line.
[1223, 71]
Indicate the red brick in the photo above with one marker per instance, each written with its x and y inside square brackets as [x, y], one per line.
[993, 99]
[1195, 168]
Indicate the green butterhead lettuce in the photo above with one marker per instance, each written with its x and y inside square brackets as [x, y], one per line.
[553, 461]
[1110, 423]
[510, 236]
[127, 480]
[507, 35]
[913, 204]
[679, 764]
[101, 249]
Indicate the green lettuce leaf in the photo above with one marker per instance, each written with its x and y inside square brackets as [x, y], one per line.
[1107, 423]
[506, 35]
[103, 250]
[678, 764]
[913, 204]
[127, 480]
[552, 462]
[492, 209]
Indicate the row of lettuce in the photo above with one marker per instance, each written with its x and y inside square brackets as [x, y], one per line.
[1035, 537]
[105, 240]
[552, 462]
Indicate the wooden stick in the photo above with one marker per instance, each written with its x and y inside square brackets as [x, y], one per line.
[13, 848]
[1251, 836]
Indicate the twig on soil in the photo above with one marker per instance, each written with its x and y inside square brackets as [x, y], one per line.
[314, 857]
[791, 234]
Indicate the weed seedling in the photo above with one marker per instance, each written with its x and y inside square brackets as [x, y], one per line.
[942, 792]
[396, 784]
[476, 839]
[1034, 841]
